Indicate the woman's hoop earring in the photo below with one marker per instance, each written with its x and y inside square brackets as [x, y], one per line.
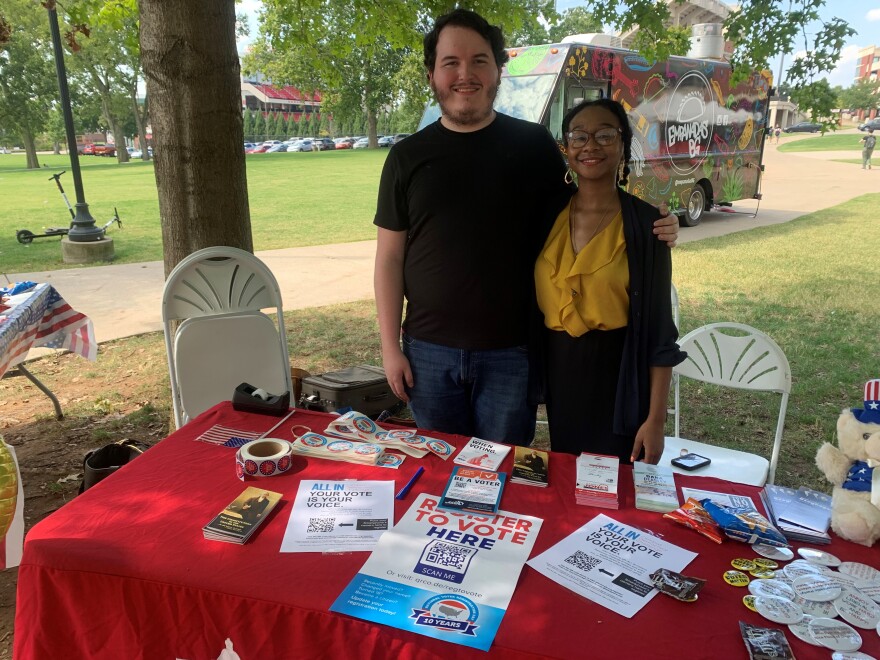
[568, 178]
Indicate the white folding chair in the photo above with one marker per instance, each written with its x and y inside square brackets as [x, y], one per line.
[747, 360]
[223, 339]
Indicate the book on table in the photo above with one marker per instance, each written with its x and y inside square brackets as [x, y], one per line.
[481, 453]
[530, 467]
[800, 514]
[240, 519]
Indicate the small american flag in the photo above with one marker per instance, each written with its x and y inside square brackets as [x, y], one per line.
[223, 435]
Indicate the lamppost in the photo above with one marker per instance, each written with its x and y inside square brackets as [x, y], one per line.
[83, 227]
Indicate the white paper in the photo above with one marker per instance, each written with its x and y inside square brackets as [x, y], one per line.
[482, 453]
[610, 563]
[724, 499]
[339, 516]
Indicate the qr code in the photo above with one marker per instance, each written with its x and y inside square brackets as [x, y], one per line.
[583, 561]
[321, 525]
[449, 555]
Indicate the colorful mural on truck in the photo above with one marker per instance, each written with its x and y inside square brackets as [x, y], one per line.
[694, 134]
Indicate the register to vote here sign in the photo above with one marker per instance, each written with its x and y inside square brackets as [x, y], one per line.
[441, 574]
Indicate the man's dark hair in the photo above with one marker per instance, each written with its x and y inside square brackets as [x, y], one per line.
[617, 110]
[467, 19]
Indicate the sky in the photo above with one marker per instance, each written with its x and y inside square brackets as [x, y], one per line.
[863, 15]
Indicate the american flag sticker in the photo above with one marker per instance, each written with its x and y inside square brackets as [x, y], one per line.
[223, 435]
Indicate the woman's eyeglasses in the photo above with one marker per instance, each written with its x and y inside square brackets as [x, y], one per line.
[603, 137]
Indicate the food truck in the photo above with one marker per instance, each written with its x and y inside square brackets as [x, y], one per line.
[698, 140]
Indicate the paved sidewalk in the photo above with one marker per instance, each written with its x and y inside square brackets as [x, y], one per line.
[124, 300]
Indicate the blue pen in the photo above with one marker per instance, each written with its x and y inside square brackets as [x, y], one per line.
[409, 484]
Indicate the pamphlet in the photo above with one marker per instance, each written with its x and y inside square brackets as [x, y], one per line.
[240, 519]
[446, 576]
[339, 516]
[655, 487]
[530, 466]
[596, 480]
[482, 453]
[610, 563]
[472, 490]
[787, 508]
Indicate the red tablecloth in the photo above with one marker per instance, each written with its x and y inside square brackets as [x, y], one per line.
[124, 572]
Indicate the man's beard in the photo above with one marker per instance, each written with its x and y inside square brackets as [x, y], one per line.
[470, 115]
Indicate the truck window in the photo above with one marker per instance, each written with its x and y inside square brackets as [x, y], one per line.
[568, 94]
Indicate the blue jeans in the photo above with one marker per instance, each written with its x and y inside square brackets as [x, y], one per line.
[471, 393]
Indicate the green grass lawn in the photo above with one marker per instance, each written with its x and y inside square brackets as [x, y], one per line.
[827, 142]
[295, 199]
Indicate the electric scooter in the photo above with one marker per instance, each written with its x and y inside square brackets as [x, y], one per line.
[25, 236]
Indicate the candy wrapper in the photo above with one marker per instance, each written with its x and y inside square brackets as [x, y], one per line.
[744, 524]
[692, 514]
[765, 643]
[680, 587]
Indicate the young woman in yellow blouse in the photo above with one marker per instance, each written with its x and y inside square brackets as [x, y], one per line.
[603, 287]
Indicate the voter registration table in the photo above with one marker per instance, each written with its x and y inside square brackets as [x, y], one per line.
[40, 317]
[123, 571]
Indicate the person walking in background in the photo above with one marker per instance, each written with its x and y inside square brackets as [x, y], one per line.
[870, 141]
[458, 233]
[604, 288]
[777, 132]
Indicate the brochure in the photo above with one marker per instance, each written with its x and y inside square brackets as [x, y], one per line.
[654, 487]
[472, 490]
[784, 505]
[610, 563]
[530, 466]
[338, 516]
[442, 575]
[596, 480]
[240, 519]
[482, 453]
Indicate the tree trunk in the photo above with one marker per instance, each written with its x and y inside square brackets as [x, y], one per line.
[119, 138]
[191, 66]
[140, 120]
[56, 148]
[372, 127]
[30, 149]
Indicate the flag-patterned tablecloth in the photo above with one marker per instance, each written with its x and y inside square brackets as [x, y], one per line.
[42, 318]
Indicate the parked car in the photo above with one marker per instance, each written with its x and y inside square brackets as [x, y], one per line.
[400, 136]
[259, 149]
[386, 140]
[873, 124]
[302, 145]
[325, 144]
[104, 150]
[363, 143]
[344, 143]
[88, 150]
[248, 145]
[802, 127]
[277, 148]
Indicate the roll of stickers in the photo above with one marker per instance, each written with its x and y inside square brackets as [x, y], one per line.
[263, 458]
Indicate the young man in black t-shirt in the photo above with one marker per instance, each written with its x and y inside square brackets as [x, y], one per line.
[457, 213]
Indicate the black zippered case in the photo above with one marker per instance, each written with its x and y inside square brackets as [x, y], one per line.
[363, 388]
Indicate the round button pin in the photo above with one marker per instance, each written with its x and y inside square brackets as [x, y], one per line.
[851, 655]
[772, 552]
[736, 578]
[870, 589]
[749, 601]
[857, 609]
[835, 635]
[800, 567]
[820, 557]
[861, 572]
[778, 610]
[763, 573]
[771, 588]
[801, 630]
[818, 609]
[743, 564]
[763, 562]
[816, 588]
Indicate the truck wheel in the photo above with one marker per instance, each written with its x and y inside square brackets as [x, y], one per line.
[696, 205]
[24, 236]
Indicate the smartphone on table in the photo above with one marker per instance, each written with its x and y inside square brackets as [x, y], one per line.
[690, 461]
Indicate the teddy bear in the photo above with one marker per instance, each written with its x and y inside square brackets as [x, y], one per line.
[850, 467]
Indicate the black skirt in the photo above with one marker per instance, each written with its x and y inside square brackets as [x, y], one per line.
[582, 374]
